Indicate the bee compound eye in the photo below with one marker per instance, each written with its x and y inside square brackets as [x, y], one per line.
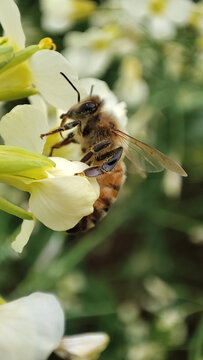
[88, 108]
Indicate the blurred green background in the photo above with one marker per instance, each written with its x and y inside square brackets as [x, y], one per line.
[139, 274]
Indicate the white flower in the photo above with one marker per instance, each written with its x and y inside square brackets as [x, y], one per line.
[172, 184]
[164, 16]
[33, 73]
[11, 23]
[83, 347]
[130, 86]
[92, 51]
[59, 15]
[61, 199]
[161, 17]
[196, 17]
[30, 327]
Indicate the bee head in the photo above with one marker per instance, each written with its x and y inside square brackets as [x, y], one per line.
[85, 108]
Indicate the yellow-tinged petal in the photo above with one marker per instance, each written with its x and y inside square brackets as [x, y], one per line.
[15, 74]
[30, 327]
[23, 237]
[19, 167]
[46, 66]
[15, 79]
[60, 201]
[81, 9]
[83, 346]
[11, 23]
[2, 301]
[22, 127]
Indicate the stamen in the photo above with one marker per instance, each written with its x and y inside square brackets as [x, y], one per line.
[47, 43]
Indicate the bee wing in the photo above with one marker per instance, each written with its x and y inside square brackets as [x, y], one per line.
[147, 158]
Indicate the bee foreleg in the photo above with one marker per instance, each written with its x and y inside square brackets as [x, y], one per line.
[67, 126]
[62, 143]
[95, 149]
[64, 117]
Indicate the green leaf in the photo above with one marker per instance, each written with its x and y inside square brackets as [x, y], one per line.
[12, 209]
[196, 344]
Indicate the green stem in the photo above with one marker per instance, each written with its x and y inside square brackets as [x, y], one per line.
[21, 56]
[12, 209]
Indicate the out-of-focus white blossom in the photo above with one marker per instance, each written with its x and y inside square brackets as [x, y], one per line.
[30, 327]
[83, 347]
[160, 290]
[196, 234]
[196, 17]
[172, 184]
[130, 86]
[92, 51]
[59, 15]
[164, 16]
[145, 351]
[161, 17]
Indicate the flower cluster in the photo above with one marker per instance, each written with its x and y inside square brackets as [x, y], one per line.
[117, 27]
[58, 198]
[32, 327]
[142, 40]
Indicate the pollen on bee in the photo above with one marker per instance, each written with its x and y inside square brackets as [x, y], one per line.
[80, 174]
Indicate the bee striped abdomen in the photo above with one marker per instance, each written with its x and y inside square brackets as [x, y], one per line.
[110, 184]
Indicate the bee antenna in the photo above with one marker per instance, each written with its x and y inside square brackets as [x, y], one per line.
[91, 90]
[71, 85]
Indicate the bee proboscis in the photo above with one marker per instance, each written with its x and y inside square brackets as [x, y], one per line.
[104, 146]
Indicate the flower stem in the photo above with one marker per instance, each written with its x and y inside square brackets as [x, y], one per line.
[12, 209]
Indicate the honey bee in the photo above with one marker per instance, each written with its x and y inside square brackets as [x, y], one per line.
[104, 146]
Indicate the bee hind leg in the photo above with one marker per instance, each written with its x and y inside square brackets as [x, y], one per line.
[107, 166]
[95, 149]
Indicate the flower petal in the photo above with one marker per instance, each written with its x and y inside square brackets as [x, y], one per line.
[55, 18]
[11, 23]
[59, 202]
[179, 11]
[23, 237]
[161, 28]
[30, 327]
[46, 66]
[94, 63]
[83, 346]
[101, 89]
[22, 127]
[38, 101]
